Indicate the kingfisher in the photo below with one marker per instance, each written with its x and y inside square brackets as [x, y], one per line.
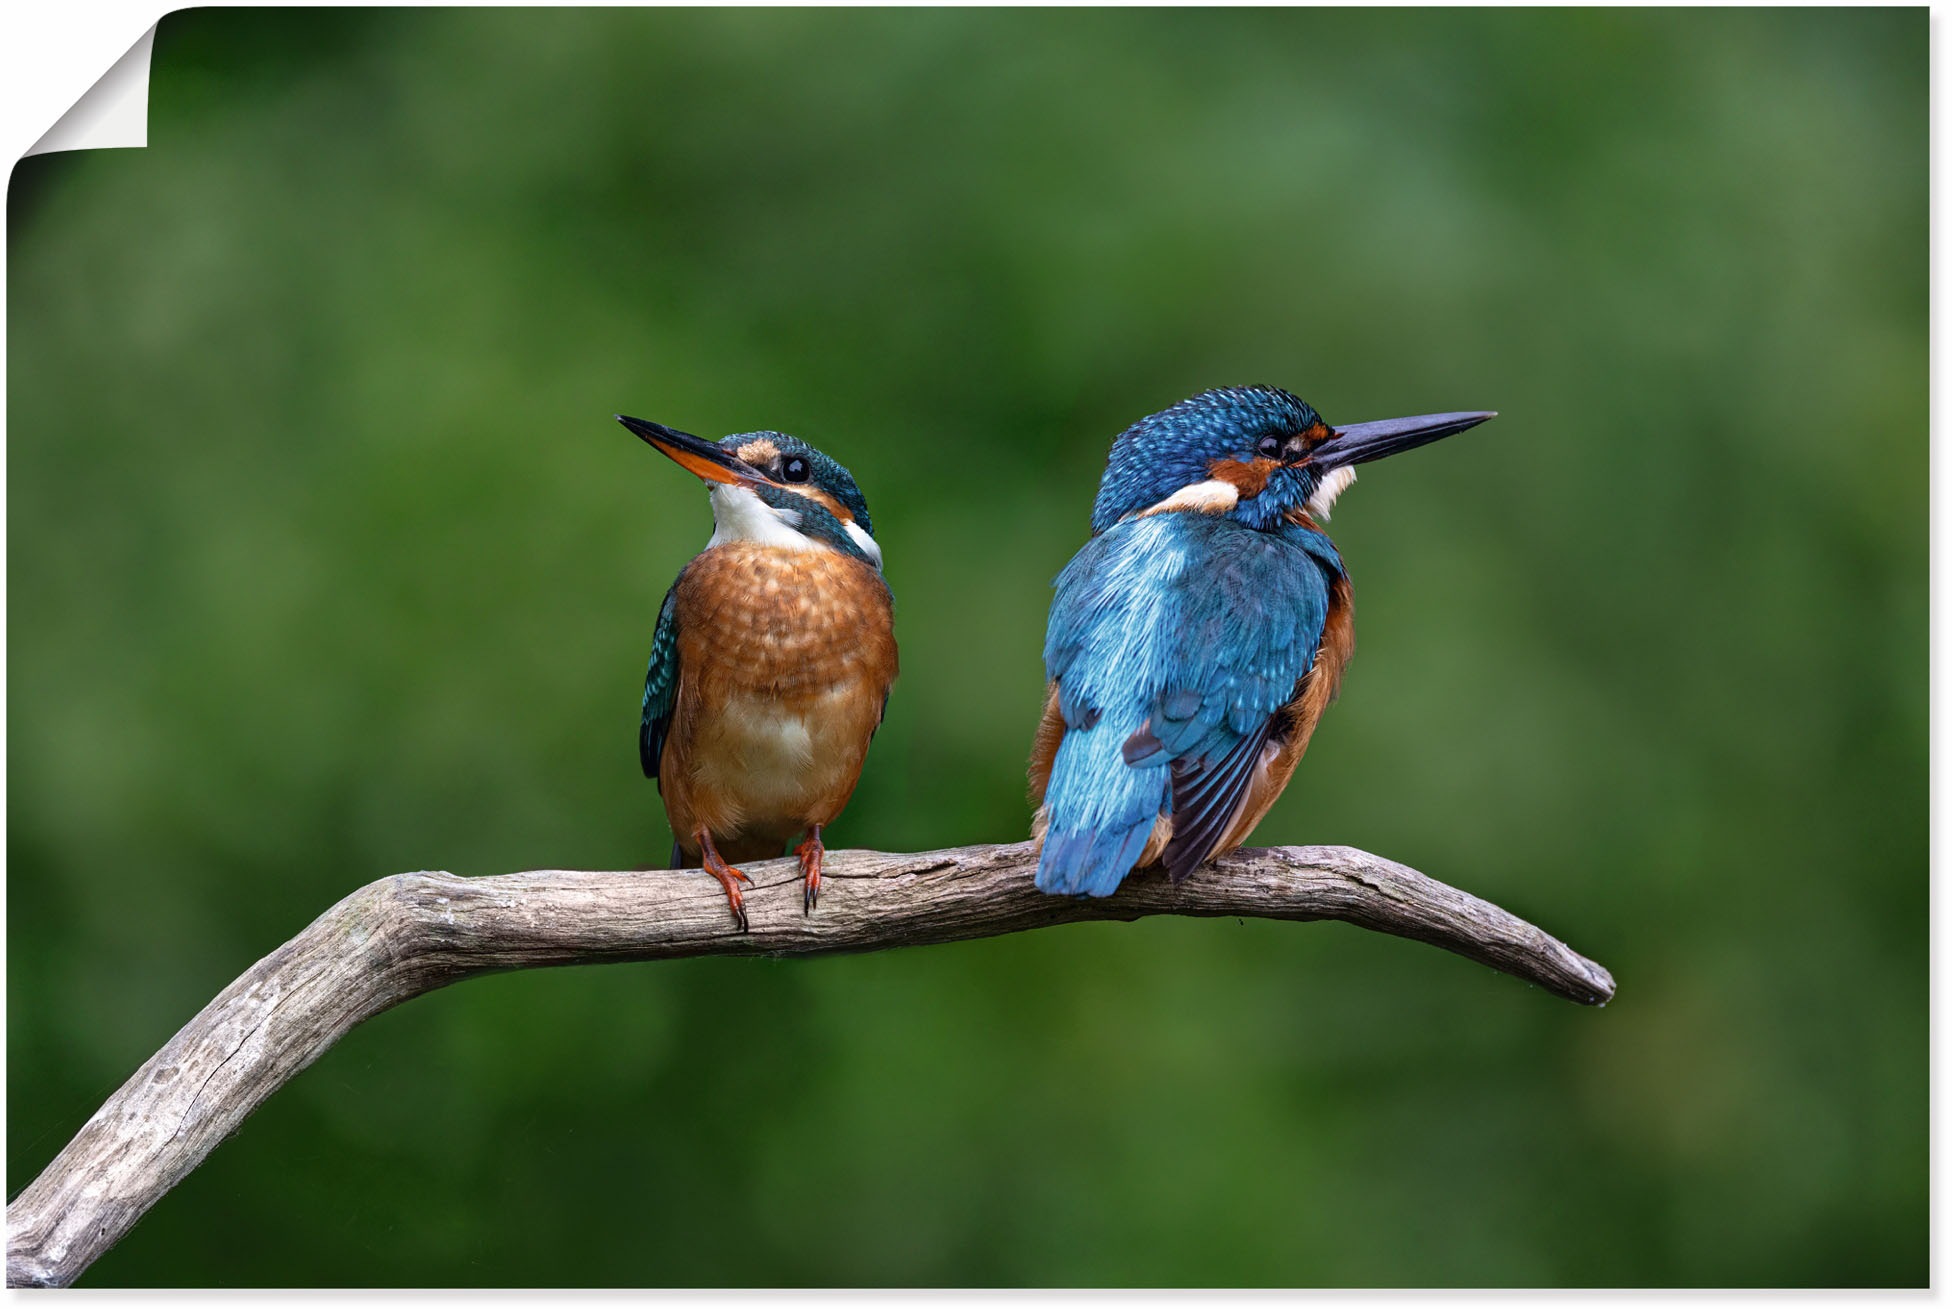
[1196, 638]
[772, 660]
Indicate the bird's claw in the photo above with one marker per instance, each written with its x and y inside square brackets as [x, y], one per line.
[730, 881]
[811, 853]
[728, 877]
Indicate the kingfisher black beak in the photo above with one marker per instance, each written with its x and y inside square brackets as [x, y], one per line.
[1358, 443]
[692, 453]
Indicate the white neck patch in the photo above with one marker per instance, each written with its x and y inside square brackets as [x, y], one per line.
[1332, 486]
[1212, 497]
[864, 543]
[740, 515]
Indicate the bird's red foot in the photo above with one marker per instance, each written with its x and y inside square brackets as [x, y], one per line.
[811, 852]
[728, 877]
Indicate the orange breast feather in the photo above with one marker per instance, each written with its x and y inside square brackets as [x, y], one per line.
[785, 658]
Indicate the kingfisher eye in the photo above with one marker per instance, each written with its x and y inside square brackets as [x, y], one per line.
[794, 469]
[1269, 447]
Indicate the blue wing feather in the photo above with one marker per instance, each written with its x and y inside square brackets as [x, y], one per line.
[1173, 640]
[660, 684]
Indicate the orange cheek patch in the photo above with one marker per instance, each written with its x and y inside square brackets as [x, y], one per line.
[1248, 478]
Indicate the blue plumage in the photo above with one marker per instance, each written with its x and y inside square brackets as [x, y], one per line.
[1183, 634]
[660, 682]
[1173, 640]
[1171, 449]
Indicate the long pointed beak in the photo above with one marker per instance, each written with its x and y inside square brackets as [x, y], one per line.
[1358, 443]
[695, 454]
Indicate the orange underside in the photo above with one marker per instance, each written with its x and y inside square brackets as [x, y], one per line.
[785, 659]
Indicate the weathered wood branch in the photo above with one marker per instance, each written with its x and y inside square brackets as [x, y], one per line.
[404, 936]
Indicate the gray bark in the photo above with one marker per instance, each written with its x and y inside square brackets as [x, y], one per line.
[404, 936]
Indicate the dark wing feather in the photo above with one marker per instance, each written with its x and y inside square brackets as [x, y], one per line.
[1206, 795]
[660, 684]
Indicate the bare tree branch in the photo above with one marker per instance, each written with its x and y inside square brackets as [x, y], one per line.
[404, 936]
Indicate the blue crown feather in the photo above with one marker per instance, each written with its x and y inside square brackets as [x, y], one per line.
[1167, 451]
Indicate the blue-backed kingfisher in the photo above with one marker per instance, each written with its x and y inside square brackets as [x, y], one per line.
[774, 653]
[1196, 638]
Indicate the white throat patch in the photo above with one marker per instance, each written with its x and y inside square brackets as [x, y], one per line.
[738, 514]
[1332, 486]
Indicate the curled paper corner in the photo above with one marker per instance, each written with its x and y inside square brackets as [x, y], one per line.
[112, 113]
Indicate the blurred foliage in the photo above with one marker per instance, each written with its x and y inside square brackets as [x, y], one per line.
[326, 562]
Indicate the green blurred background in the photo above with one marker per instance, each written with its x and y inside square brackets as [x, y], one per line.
[327, 562]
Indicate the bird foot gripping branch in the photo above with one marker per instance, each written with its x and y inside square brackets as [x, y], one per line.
[812, 854]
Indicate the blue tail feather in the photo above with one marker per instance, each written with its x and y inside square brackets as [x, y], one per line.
[1090, 862]
[1100, 812]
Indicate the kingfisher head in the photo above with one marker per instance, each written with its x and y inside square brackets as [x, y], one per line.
[771, 488]
[1254, 453]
